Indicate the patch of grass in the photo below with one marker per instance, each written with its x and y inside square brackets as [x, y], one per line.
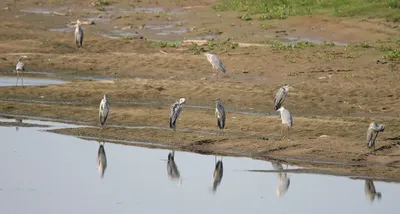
[277, 45]
[126, 37]
[393, 55]
[164, 44]
[245, 17]
[267, 26]
[280, 9]
[100, 8]
[328, 43]
[104, 2]
[212, 46]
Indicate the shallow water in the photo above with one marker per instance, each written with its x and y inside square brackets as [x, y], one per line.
[49, 173]
[11, 81]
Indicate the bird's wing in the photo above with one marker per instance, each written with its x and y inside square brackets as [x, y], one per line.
[279, 98]
[217, 62]
[221, 110]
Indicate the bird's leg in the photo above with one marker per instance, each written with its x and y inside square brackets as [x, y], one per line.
[282, 136]
[288, 132]
[16, 84]
[22, 79]
[217, 75]
[215, 159]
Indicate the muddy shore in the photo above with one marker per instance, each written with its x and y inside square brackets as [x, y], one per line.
[337, 89]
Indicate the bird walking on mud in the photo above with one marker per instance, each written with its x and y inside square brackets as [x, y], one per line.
[101, 160]
[172, 169]
[287, 120]
[218, 173]
[20, 68]
[215, 62]
[372, 133]
[220, 114]
[280, 96]
[104, 109]
[78, 34]
[370, 191]
[175, 110]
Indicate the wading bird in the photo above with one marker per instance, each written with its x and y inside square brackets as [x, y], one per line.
[20, 68]
[372, 134]
[172, 169]
[18, 121]
[78, 34]
[284, 180]
[370, 191]
[215, 62]
[280, 96]
[101, 160]
[175, 110]
[220, 114]
[218, 173]
[104, 109]
[286, 118]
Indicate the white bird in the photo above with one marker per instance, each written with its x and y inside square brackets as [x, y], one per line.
[78, 34]
[175, 110]
[101, 160]
[280, 96]
[104, 109]
[372, 133]
[20, 68]
[215, 62]
[286, 118]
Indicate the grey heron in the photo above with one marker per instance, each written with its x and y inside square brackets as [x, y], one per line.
[284, 180]
[372, 133]
[175, 110]
[280, 96]
[370, 191]
[215, 62]
[78, 34]
[220, 114]
[172, 169]
[18, 121]
[218, 173]
[101, 160]
[104, 109]
[20, 68]
[286, 118]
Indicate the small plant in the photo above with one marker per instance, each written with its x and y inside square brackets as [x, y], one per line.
[245, 17]
[126, 37]
[164, 44]
[104, 2]
[328, 43]
[100, 8]
[393, 55]
[196, 48]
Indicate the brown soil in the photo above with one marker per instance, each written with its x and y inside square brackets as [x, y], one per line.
[337, 90]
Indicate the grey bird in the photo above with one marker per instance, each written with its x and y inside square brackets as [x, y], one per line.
[280, 96]
[175, 110]
[172, 169]
[220, 114]
[218, 173]
[370, 191]
[101, 160]
[284, 180]
[20, 68]
[215, 62]
[286, 118]
[104, 109]
[372, 134]
[18, 121]
[78, 34]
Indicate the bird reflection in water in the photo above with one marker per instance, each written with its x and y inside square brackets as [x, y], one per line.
[17, 126]
[172, 169]
[370, 191]
[284, 180]
[218, 173]
[101, 159]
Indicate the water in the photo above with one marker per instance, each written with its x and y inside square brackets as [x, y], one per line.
[49, 173]
[11, 81]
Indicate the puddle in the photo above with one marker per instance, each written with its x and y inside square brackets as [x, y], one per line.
[152, 10]
[42, 169]
[70, 76]
[295, 40]
[169, 32]
[11, 81]
[116, 34]
[44, 11]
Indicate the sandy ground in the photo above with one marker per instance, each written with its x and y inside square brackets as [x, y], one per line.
[337, 90]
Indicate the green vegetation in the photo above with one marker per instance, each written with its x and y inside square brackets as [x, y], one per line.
[100, 8]
[164, 44]
[277, 45]
[212, 46]
[126, 37]
[104, 2]
[280, 9]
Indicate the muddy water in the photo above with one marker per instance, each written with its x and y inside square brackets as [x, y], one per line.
[49, 173]
[11, 81]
